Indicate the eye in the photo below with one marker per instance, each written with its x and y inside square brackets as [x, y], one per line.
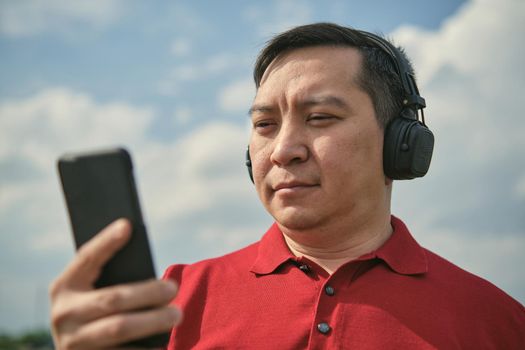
[264, 126]
[321, 119]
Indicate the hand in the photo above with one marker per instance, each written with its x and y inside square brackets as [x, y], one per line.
[84, 317]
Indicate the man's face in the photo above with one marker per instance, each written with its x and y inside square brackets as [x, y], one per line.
[316, 147]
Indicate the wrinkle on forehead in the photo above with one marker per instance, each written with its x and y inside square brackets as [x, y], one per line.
[310, 100]
[328, 72]
[283, 60]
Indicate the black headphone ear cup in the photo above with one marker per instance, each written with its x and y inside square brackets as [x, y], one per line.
[390, 145]
[407, 149]
[249, 164]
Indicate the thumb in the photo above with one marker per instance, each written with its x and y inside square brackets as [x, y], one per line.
[94, 254]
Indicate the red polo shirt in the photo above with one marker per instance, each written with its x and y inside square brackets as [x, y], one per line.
[400, 296]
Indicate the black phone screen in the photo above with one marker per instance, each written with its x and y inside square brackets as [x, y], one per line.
[99, 188]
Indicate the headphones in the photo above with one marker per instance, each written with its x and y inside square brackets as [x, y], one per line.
[408, 142]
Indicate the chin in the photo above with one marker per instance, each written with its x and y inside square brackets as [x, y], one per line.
[298, 219]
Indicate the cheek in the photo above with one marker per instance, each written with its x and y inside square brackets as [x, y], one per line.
[259, 156]
[259, 159]
[334, 152]
[368, 159]
[345, 156]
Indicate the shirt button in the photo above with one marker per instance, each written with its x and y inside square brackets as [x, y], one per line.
[323, 327]
[329, 290]
[305, 268]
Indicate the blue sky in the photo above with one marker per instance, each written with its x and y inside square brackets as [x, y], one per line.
[171, 80]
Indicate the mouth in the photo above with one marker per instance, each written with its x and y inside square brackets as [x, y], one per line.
[292, 186]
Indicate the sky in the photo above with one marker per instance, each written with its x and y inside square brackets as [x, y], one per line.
[171, 81]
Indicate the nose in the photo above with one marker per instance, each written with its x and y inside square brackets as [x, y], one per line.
[290, 146]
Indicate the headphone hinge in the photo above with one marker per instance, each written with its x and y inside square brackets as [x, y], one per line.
[415, 100]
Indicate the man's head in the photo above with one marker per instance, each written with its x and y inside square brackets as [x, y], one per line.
[324, 96]
[378, 76]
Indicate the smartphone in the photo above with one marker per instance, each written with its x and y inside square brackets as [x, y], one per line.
[99, 187]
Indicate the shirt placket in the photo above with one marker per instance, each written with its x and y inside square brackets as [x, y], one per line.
[325, 332]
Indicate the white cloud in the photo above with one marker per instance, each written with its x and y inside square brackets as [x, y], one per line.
[204, 171]
[220, 62]
[237, 96]
[464, 40]
[181, 47]
[183, 115]
[279, 16]
[207, 69]
[469, 74]
[38, 130]
[33, 17]
[520, 187]
[470, 201]
[58, 119]
[204, 167]
[196, 176]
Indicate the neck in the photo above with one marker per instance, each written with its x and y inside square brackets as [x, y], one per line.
[332, 247]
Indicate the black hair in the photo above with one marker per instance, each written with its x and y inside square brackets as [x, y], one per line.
[378, 76]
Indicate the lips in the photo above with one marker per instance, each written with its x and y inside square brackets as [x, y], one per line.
[292, 185]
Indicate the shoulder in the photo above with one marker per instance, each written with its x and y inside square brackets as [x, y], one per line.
[471, 297]
[443, 279]
[448, 274]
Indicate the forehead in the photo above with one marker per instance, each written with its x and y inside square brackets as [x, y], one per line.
[307, 67]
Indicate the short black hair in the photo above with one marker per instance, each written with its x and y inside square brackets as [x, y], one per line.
[378, 77]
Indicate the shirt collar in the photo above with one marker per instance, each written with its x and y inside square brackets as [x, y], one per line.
[273, 251]
[400, 252]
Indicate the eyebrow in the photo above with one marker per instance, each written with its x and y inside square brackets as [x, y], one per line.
[329, 100]
[260, 108]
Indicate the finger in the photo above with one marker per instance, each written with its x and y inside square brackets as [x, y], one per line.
[117, 329]
[93, 255]
[87, 306]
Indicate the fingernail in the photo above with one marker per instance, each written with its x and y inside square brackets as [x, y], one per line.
[117, 227]
[119, 223]
[176, 315]
[171, 286]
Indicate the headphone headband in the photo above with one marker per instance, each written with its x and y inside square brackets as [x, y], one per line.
[412, 98]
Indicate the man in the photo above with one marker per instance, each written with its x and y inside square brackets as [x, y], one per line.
[336, 270]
